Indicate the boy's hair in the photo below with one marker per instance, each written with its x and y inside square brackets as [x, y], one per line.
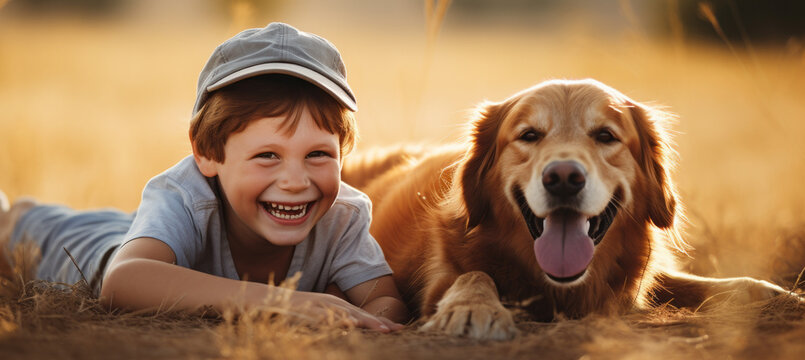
[229, 110]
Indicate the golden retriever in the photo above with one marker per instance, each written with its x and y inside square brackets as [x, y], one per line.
[561, 201]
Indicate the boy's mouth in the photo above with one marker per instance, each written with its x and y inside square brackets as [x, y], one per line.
[287, 211]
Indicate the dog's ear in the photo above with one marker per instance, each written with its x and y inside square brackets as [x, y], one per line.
[656, 160]
[479, 160]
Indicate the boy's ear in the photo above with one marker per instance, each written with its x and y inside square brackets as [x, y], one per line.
[208, 167]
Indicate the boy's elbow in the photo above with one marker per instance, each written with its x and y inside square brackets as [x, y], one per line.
[113, 281]
[401, 313]
[108, 284]
[389, 307]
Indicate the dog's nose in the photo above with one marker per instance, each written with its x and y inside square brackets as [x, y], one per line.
[563, 178]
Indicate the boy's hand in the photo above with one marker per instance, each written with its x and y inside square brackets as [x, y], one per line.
[322, 305]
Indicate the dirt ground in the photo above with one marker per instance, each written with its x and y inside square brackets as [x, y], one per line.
[770, 331]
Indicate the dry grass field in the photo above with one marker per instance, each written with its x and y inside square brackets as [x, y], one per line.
[89, 111]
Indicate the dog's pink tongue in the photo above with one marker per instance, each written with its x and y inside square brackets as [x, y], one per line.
[564, 249]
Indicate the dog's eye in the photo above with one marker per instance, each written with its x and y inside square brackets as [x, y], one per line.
[530, 136]
[605, 136]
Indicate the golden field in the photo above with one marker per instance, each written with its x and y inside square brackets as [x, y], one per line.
[90, 111]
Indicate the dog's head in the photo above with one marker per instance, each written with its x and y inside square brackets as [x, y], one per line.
[571, 158]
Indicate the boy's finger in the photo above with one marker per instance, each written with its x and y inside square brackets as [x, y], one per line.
[390, 324]
[373, 323]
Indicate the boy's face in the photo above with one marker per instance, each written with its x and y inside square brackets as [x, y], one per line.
[277, 185]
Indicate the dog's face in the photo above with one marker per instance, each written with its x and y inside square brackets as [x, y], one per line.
[571, 158]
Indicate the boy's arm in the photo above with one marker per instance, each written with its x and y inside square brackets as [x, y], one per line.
[142, 276]
[380, 297]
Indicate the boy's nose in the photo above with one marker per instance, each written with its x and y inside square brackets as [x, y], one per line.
[294, 179]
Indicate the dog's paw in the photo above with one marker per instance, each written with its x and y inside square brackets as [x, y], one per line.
[474, 321]
[471, 308]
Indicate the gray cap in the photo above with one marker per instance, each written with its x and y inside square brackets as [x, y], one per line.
[276, 49]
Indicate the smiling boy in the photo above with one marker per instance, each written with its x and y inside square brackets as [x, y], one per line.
[260, 199]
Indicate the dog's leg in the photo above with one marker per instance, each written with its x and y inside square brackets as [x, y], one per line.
[691, 291]
[471, 307]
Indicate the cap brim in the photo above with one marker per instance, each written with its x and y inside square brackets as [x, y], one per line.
[293, 70]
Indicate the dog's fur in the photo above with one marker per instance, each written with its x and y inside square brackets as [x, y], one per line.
[451, 226]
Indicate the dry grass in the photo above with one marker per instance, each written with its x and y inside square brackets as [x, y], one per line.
[89, 112]
[47, 320]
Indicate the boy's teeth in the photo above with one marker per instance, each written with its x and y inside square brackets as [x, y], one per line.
[288, 207]
[275, 208]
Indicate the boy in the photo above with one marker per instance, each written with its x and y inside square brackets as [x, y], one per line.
[260, 199]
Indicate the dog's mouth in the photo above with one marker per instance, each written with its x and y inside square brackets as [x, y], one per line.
[564, 241]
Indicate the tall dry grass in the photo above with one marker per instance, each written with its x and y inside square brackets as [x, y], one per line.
[88, 113]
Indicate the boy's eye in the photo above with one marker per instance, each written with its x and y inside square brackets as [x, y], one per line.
[267, 155]
[318, 153]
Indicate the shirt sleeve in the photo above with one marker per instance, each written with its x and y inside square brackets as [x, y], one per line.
[358, 257]
[164, 215]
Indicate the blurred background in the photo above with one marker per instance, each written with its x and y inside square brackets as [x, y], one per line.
[96, 95]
